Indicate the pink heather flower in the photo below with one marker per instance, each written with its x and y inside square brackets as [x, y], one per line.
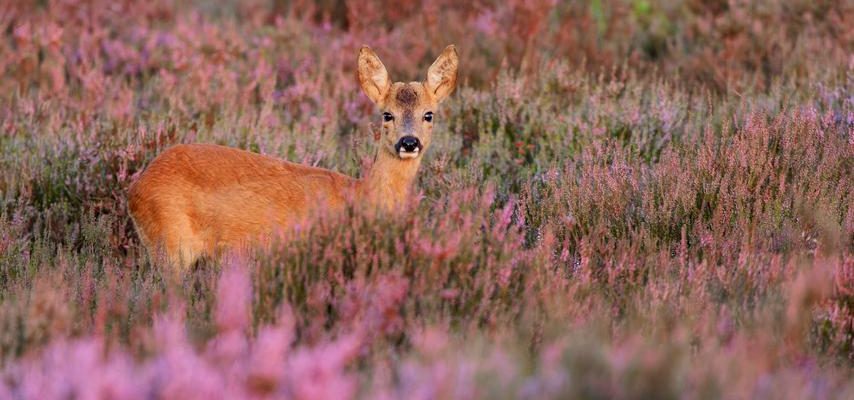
[228, 348]
[234, 298]
[504, 219]
[76, 369]
[319, 373]
[266, 366]
[486, 23]
[23, 34]
[443, 378]
[430, 341]
[388, 294]
[181, 374]
[504, 275]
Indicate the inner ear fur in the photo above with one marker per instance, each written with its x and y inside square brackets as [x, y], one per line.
[373, 76]
[442, 75]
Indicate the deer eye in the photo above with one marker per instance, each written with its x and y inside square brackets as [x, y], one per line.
[428, 116]
[387, 117]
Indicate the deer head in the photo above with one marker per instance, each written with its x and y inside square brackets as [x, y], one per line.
[408, 109]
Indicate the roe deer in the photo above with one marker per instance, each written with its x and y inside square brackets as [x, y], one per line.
[198, 199]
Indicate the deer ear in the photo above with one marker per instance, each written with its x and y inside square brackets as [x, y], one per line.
[442, 75]
[373, 77]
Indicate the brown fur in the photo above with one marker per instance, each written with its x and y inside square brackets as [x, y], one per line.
[406, 97]
[199, 199]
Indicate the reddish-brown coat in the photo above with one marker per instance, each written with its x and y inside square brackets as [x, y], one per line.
[195, 198]
[199, 199]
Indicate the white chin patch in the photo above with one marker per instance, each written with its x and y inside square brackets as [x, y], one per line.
[413, 154]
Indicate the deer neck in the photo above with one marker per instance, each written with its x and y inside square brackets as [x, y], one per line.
[389, 181]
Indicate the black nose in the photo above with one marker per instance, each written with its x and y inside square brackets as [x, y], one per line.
[408, 144]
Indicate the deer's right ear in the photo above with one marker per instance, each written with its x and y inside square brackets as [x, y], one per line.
[373, 77]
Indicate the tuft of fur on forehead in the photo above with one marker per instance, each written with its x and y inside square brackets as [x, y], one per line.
[406, 96]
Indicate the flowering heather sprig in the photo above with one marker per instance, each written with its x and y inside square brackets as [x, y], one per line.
[230, 366]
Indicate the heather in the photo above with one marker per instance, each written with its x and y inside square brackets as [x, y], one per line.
[624, 199]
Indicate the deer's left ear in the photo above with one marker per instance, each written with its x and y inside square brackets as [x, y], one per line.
[442, 75]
